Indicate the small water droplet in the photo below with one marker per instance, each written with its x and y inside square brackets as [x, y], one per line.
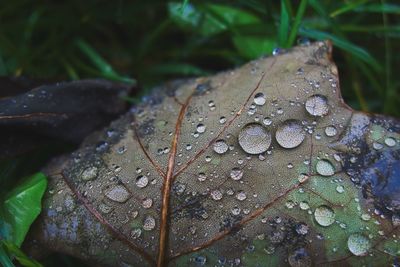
[324, 215]
[330, 131]
[118, 193]
[259, 99]
[317, 105]
[220, 146]
[290, 134]
[147, 203]
[136, 233]
[216, 195]
[201, 128]
[325, 168]
[149, 223]
[390, 141]
[222, 120]
[89, 173]
[201, 177]
[340, 189]
[241, 195]
[358, 244]
[267, 121]
[236, 174]
[254, 138]
[142, 181]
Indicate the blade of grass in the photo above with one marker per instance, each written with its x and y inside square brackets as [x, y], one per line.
[343, 44]
[284, 25]
[347, 7]
[389, 90]
[380, 8]
[296, 23]
[100, 63]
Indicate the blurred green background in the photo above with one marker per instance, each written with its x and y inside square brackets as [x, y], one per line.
[152, 41]
[148, 42]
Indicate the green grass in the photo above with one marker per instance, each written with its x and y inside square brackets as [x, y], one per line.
[149, 42]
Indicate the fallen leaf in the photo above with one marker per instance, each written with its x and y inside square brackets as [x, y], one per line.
[263, 165]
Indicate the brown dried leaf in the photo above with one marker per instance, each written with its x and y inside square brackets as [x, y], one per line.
[172, 184]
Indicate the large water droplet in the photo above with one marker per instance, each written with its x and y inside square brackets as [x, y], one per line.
[358, 244]
[220, 146]
[149, 223]
[325, 168]
[254, 138]
[317, 105]
[259, 99]
[236, 174]
[89, 173]
[142, 181]
[290, 134]
[324, 215]
[118, 193]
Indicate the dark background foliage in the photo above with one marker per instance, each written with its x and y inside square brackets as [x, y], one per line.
[145, 43]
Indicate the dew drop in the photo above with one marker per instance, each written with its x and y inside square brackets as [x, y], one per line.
[325, 168]
[201, 177]
[254, 138]
[142, 181]
[220, 146]
[149, 223]
[267, 121]
[222, 120]
[330, 131]
[118, 193]
[241, 196]
[136, 233]
[147, 203]
[390, 141]
[259, 99]
[89, 173]
[236, 174]
[340, 189]
[317, 105]
[201, 128]
[358, 244]
[324, 215]
[216, 195]
[290, 134]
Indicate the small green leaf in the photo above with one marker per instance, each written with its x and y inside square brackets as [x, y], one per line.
[21, 207]
[251, 47]
[4, 258]
[209, 19]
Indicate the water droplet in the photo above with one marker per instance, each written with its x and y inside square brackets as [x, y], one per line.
[304, 205]
[302, 229]
[118, 193]
[201, 177]
[216, 195]
[136, 233]
[89, 173]
[254, 138]
[201, 128]
[200, 260]
[149, 223]
[299, 258]
[290, 134]
[390, 141]
[358, 244]
[324, 215]
[267, 121]
[330, 131]
[142, 181]
[241, 196]
[302, 177]
[325, 168]
[220, 146]
[259, 99]
[147, 203]
[222, 120]
[317, 105]
[235, 210]
[236, 174]
[340, 189]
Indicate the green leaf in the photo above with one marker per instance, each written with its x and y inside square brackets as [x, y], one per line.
[380, 8]
[209, 19]
[347, 7]
[284, 25]
[21, 207]
[296, 24]
[4, 258]
[20, 256]
[251, 47]
[345, 45]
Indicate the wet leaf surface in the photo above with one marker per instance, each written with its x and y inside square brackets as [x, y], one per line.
[260, 166]
[66, 111]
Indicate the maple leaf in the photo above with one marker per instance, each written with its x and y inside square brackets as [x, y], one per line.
[263, 165]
